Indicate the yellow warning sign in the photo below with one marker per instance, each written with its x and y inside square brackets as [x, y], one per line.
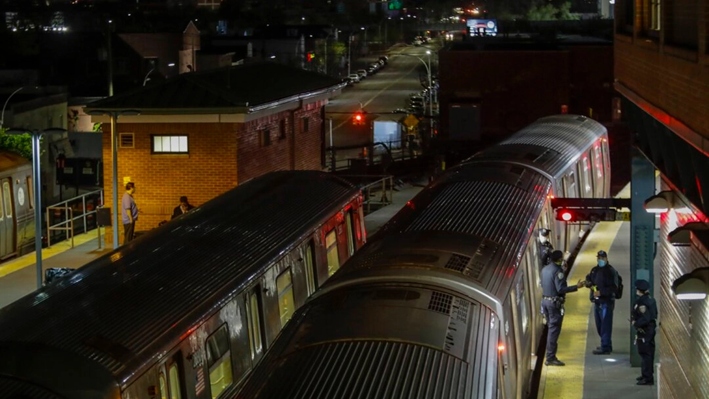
[411, 121]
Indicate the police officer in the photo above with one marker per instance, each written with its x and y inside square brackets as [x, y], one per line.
[545, 247]
[554, 291]
[643, 317]
[603, 282]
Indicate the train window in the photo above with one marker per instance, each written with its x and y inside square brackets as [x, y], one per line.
[350, 234]
[522, 303]
[310, 268]
[219, 361]
[163, 386]
[286, 303]
[30, 191]
[8, 198]
[333, 256]
[175, 392]
[587, 177]
[254, 320]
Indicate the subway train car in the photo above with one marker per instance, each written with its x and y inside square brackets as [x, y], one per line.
[16, 205]
[186, 310]
[443, 302]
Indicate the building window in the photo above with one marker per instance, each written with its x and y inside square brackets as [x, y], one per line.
[333, 256]
[282, 130]
[306, 124]
[170, 144]
[126, 140]
[265, 137]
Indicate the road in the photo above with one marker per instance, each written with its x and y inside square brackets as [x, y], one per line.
[378, 94]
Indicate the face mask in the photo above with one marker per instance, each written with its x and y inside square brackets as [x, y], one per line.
[601, 262]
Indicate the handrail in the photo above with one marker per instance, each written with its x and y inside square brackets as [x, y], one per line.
[68, 223]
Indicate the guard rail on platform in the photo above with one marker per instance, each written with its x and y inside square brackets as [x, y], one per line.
[75, 213]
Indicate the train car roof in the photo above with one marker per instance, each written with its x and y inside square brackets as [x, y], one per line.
[114, 309]
[11, 161]
[491, 209]
[550, 144]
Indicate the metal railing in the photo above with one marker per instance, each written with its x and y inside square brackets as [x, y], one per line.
[78, 213]
[376, 190]
[354, 157]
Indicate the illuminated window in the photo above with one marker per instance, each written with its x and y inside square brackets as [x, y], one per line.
[333, 256]
[170, 144]
[163, 387]
[219, 361]
[254, 323]
[286, 303]
[175, 392]
[655, 8]
[8, 199]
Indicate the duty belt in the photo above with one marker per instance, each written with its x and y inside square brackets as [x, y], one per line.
[553, 298]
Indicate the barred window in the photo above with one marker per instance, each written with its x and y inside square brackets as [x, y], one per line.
[170, 144]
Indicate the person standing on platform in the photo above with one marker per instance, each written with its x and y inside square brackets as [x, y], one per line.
[130, 213]
[554, 290]
[644, 316]
[603, 282]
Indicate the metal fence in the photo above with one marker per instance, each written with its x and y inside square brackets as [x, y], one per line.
[357, 158]
[75, 215]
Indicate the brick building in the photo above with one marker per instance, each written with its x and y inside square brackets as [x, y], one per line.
[201, 134]
[491, 87]
[662, 76]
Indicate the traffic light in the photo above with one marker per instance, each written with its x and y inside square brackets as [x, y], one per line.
[310, 56]
[585, 214]
[359, 118]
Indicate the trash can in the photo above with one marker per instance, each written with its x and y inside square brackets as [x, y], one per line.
[103, 216]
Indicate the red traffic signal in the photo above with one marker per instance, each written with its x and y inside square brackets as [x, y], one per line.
[310, 57]
[359, 119]
[585, 214]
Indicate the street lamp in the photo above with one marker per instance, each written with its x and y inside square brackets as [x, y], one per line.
[2, 117]
[36, 177]
[114, 161]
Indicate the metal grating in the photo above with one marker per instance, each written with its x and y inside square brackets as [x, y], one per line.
[440, 302]
[159, 285]
[457, 262]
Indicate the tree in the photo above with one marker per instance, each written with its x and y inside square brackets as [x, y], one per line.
[21, 144]
[547, 12]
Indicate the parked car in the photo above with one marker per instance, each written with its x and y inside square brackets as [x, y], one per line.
[353, 77]
[362, 73]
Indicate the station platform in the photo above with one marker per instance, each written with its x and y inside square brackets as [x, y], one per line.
[18, 277]
[589, 376]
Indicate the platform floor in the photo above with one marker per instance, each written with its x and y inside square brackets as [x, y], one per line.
[589, 376]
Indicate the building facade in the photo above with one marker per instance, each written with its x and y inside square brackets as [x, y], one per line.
[661, 58]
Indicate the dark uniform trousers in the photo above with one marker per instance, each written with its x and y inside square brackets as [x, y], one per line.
[646, 350]
[552, 309]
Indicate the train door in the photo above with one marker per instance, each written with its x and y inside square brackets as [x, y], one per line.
[521, 325]
[585, 176]
[7, 223]
[570, 191]
[311, 272]
[286, 300]
[508, 354]
[171, 383]
[350, 234]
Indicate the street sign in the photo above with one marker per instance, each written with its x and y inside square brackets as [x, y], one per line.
[411, 121]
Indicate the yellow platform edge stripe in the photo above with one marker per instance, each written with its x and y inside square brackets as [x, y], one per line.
[567, 382]
[30, 259]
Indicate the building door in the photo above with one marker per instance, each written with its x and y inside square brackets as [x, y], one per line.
[7, 225]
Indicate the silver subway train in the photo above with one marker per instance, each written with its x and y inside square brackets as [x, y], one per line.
[16, 205]
[443, 302]
[186, 310]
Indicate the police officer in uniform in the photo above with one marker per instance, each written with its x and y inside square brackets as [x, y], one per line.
[643, 317]
[554, 291]
[545, 247]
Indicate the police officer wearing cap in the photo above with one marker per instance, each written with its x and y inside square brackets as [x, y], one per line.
[554, 290]
[545, 247]
[603, 282]
[643, 317]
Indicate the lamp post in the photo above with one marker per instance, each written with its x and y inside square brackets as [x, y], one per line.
[2, 117]
[349, 54]
[37, 189]
[114, 161]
